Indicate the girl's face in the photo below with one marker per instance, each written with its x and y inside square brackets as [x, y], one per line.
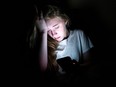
[57, 28]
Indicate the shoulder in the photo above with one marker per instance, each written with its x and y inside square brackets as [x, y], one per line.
[77, 32]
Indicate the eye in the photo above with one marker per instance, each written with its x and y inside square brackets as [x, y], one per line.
[57, 27]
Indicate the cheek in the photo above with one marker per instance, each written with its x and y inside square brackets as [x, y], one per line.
[59, 32]
[63, 31]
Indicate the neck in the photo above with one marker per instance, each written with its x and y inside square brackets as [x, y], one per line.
[67, 34]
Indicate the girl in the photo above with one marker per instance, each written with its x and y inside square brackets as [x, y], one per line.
[62, 51]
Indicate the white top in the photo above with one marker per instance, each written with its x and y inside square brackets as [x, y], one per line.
[76, 44]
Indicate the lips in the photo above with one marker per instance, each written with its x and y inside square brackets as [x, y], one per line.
[57, 38]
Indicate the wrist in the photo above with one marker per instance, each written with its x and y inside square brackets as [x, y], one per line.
[43, 32]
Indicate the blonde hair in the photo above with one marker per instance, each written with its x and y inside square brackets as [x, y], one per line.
[50, 12]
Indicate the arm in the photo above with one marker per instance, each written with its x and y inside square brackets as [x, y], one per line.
[87, 49]
[87, 58]
[42, 54]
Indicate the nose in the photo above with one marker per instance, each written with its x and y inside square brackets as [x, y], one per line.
[53, 33]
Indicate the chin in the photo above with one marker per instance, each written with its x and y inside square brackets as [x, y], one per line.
[59, 40]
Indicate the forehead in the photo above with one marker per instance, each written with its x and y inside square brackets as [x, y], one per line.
[54, 21]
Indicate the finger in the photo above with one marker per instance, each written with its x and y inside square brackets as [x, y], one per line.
[41, 15]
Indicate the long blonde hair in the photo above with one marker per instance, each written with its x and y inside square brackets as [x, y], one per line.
[50, 12]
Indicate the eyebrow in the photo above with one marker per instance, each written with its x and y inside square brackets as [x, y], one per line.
[55, 25]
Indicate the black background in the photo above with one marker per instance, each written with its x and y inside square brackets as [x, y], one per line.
[95, 17]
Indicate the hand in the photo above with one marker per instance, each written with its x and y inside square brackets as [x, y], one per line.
[41, 24]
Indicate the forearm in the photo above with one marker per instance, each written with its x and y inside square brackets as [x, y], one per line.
[86, 62]
[43, 56]
[85, 65]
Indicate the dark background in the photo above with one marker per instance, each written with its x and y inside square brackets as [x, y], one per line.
[95, 17]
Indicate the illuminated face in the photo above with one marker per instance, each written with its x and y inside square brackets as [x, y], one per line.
[57, 28]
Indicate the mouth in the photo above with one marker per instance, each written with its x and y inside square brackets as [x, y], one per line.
[57, 38]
